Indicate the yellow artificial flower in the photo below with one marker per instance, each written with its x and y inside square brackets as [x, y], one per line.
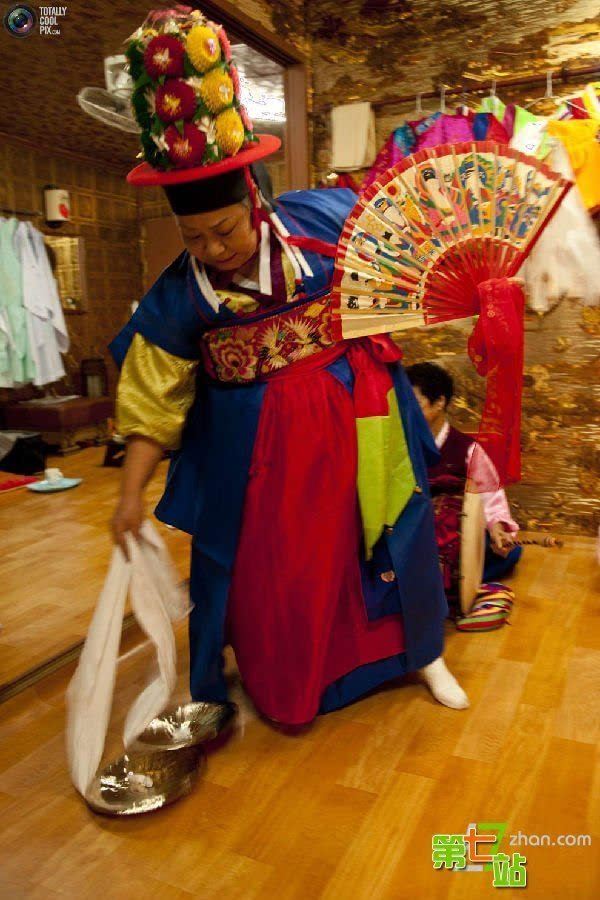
[203, 47]
[230, 131]
[217, 90]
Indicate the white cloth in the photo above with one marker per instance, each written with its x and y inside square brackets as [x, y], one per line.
[48, 336]
[156, 599]
[565, 262]
[16, 366]
[33, 333]
[495, 503]
[353, 143]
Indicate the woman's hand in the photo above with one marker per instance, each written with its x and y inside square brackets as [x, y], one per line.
[141, 459]
[128, 516]
[502, 540]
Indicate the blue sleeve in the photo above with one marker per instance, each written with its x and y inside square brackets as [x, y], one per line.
[320, 213]
[166, 316]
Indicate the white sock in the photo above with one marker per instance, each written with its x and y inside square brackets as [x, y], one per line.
[443, 685]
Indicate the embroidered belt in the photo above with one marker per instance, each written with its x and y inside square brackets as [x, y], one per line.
[247, 352]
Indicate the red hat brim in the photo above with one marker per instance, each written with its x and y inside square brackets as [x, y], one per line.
[144, 174]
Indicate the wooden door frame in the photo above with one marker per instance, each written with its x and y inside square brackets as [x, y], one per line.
[295, 81]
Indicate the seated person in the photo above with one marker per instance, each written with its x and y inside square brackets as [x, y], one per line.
[434, 388]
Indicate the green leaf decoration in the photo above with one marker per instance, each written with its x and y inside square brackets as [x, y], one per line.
[203, 108]
[142, 81]
[135, 55]
[157, 126]
[141, 110]
[189, 70]
[162, 79]
[212, 154]
[180, 126]
[152, 154]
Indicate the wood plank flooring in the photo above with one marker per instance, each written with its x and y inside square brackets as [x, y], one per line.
[55, 550]
[345, 809]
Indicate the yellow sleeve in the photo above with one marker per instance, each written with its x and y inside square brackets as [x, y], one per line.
[155, 392]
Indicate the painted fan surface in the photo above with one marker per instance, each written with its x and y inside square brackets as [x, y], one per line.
[423, 237]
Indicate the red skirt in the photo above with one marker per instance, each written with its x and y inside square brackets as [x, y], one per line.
[296, 614]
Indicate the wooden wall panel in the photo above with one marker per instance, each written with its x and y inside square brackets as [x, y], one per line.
[105, 215]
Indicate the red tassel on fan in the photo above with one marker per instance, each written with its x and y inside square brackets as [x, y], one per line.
[496, 350]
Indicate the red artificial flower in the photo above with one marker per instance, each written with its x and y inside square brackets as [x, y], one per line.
[235, 77]
[175, 100]
[164, 56]
[159, 15]
[226, 46]
[188, 149]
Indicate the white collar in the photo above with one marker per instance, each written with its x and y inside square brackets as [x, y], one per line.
[442, 435]
[245, 282]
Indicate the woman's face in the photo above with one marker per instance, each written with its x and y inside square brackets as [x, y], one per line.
[223, 238]
[433, 410]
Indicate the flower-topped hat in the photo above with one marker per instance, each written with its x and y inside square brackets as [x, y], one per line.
[186, 100]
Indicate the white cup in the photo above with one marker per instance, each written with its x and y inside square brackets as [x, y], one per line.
[53, 476]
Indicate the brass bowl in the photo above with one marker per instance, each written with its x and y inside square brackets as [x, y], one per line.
[143, 782]
[186, 725]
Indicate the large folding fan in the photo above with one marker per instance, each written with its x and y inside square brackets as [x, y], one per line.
[421, 240]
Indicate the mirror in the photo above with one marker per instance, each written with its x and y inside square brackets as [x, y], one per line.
[68, 265]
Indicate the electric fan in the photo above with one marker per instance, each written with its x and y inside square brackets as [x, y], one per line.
[112, 105]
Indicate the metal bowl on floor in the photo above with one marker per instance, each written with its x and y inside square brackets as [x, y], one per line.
[186, 725]
[143, 782]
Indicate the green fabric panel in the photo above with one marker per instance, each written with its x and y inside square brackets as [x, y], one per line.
[385, 475]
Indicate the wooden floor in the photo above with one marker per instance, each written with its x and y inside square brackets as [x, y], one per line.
[346, 810]
[55, 552]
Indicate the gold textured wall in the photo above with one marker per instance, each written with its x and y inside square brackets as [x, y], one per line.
[286, 18]
[104, 213]
[560, 435]
[372, 49]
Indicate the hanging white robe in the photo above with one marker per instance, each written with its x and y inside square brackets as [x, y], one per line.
[45, 319]
[565, 262]
[16, 364]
